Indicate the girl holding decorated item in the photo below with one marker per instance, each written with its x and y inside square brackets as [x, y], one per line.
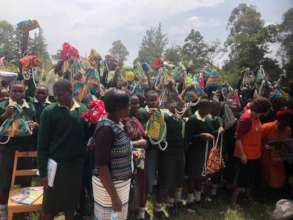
[136, 132]
[61, 146]
[273, 170]
[152, 117]
[111, 181]
[199, 137]
[248, 147]
[17, 124]
[171, 163]
[218, 129]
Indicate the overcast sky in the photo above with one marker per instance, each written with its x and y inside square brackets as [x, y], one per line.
[97, 23]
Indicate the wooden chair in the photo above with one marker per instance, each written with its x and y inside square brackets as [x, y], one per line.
[14, 207]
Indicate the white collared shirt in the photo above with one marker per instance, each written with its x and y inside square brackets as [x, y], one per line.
[13, 103]
[74, 106]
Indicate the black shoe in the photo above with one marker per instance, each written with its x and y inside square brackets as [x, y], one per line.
[78, 217]
[174, 210]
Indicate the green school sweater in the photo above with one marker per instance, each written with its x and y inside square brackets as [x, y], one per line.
[38, 107]
[28, 113]
[62, 135]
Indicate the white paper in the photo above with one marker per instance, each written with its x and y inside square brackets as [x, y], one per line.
[52, 168]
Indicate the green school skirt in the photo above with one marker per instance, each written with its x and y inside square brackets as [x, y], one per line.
[65, 194]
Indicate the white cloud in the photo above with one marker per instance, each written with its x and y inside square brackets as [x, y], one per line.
[93, 23]
[194, 22]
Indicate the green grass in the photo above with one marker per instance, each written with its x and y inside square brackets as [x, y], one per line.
[222, 209]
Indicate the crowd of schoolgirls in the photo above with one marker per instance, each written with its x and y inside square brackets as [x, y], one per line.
[141, 161]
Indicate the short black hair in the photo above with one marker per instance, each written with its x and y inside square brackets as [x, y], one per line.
[42, 86]
[151, 93]
[63, 85]
[16, 82]
[115, 100]
[204, 103]
[260, 105]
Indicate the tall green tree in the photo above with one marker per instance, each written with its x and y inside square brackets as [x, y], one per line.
[248, 41]
[173, 55]
[119, 51]
[8, 42]
[153, 45]
[38, 46]
[286, 38]
[195, 51]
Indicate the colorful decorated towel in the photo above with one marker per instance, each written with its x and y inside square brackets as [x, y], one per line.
[146, 67]
[27, 25]
[156, 129]
[87, 86]
[95, 113]
[30, 61]
[157, 64]
[279, 93]
[195, 91]
[129, 75]
[260, 74]
[201, 80]
[178, 74]
[94, 58]
[138, 89]
[15, 126]
[192, 95]
[111, 63]
[214, 80]
[68, 51]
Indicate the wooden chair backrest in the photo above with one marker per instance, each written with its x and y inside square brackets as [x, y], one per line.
[23, 172]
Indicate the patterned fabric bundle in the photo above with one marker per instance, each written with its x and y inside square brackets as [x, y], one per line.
[103, 204]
